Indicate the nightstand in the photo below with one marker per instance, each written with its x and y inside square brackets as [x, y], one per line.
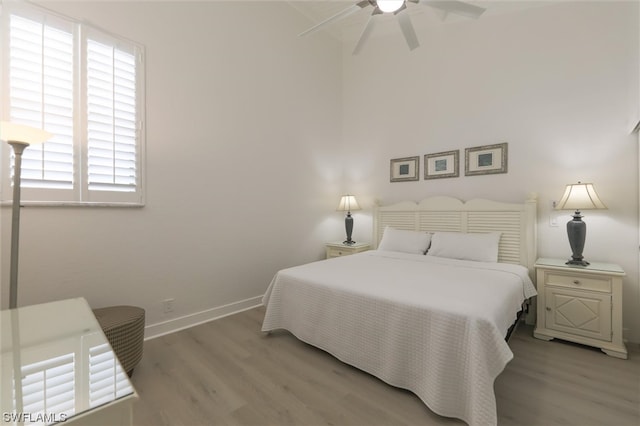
[581, 304]
[338, 249]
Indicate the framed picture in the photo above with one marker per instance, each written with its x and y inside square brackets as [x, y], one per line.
[484, 160]
[441, 165]
[405, 169]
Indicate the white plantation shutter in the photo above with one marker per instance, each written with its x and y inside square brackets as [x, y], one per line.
[48, 386]
[107, 380]
[41, 95]
[111, 118]
[85, 87]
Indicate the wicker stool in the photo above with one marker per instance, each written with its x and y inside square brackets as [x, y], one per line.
[124, 328]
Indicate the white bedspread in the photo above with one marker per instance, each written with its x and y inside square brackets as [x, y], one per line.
[432, 325]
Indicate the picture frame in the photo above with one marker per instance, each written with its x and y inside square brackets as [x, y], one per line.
[442, 165]
[405, 169]
[486, 159]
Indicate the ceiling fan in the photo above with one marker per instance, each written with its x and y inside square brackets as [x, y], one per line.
[396, 7]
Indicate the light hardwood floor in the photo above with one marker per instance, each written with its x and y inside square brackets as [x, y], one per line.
[227, 372]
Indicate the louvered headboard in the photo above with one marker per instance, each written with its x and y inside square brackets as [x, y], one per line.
[516, 222]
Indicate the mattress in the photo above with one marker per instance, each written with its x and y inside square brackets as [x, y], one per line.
[431, 325]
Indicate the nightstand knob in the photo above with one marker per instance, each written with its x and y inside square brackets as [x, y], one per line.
[548, 309]
[576, 282]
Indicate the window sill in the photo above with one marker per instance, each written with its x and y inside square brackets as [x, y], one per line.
[72, 204]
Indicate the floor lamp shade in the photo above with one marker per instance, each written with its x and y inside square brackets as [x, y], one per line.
[19, 137]
[347, 204]
[578, 196]
[11, 132]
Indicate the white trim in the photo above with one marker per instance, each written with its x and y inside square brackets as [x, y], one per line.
[177, 324]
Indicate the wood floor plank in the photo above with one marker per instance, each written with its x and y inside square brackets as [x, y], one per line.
[227, 372]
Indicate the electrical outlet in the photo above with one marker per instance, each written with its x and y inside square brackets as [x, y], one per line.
[167, 305]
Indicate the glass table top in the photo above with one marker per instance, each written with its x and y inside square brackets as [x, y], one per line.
[56, 364]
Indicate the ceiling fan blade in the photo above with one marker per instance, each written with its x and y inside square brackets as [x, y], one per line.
[455, 7]
[340, 15]
[407, 30]
[365, 34]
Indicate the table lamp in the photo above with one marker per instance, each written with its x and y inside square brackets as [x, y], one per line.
[19, 137]
[347, 204]
[578, 196]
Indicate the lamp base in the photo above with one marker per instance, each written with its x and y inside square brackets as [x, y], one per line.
[577, 262]
[577, 233]
[348, 224]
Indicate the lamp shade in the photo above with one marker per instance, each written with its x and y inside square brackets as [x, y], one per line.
[580, 196]
[348, 203]
[11, 132]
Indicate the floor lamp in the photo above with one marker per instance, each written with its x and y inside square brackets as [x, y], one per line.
[19, 137]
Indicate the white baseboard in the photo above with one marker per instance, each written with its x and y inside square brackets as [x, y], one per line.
[166, 327]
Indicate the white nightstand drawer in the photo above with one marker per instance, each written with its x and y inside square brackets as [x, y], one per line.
[335, 252]
[340, 249]
[579, 281]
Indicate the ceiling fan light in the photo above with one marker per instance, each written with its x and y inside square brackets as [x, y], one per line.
[389, 6]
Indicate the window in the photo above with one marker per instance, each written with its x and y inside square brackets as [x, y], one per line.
[86, 87]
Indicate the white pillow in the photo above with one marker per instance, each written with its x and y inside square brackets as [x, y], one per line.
[404, 241]
[481, 247]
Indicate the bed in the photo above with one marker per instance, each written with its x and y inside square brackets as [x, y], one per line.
[434, 324]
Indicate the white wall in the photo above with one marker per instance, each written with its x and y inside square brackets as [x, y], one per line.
[243, 165]
[245, 150]
[558, 83]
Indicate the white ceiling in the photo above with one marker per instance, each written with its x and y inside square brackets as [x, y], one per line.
[350, 28]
